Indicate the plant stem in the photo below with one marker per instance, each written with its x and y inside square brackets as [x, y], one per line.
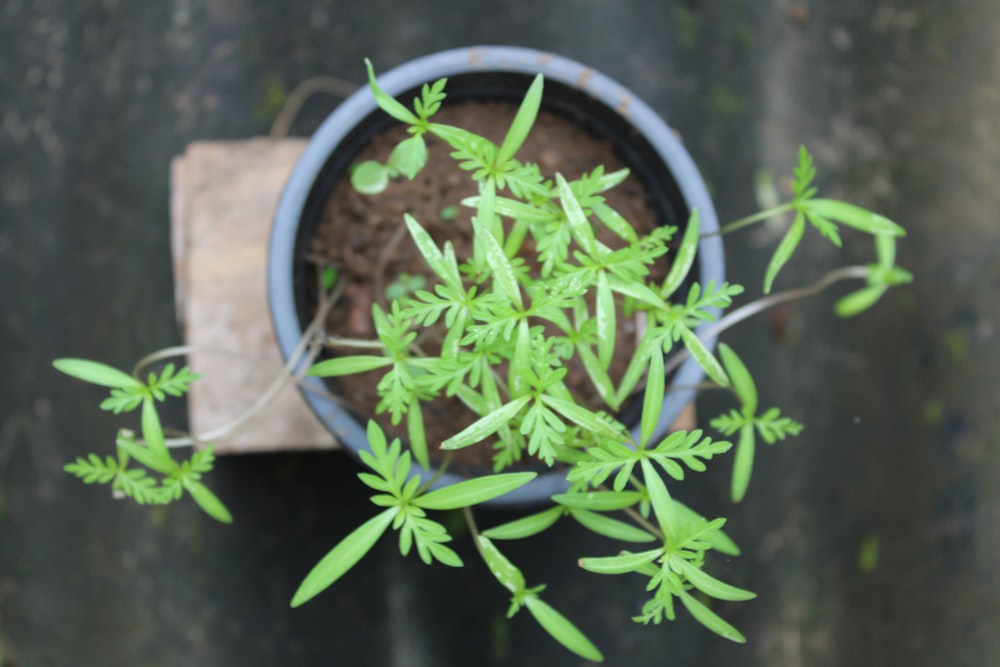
[301, 357]
[762, 304]
[751, 219]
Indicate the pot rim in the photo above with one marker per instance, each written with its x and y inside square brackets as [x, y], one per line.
[281, 250]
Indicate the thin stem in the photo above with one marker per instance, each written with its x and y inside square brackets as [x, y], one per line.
[295, 101]
[751, 219]
[762, 304]
[305, 351]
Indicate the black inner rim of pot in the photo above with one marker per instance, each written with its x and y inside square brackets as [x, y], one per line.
[593, 116]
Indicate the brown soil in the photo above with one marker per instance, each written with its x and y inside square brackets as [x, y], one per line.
[366, 239]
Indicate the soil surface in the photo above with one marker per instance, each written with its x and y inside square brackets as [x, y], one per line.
[364, 236]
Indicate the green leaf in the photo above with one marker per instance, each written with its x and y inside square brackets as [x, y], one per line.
[348, 365]
[626, 562]
[432, 254]
[96, 373]
[158, 462]
[152, 433]
[659, 498]
[739, 376]
[598, 501]
[583, 232]
[503, 272]
[409, 156]
[487, 425]
[709, 619]
[743, 463]
[207, 500]
[343, 557]
[504, 571]
[473, 491]
[708, 584]
[370, 177]
[417, 434]
[598, 376]
[716, 539]
[853, 216]
[586, 418]
[784, 250]
[386, 102]
[859, 301]
[560, 628]
[652, 402]
[609, 527]
[713, 369]
[519, 529]
[614, 221]
[604, 316]
[685, 256]
[523, 121]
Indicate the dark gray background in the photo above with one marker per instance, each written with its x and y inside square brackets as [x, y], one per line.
[899, 101]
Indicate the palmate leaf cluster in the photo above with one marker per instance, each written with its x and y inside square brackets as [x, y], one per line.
[543, 289]
[144, 469]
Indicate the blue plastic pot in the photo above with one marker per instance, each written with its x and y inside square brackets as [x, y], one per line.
[642, 140]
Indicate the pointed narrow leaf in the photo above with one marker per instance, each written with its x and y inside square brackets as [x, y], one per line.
[523, 121]
[784, 250]
[885, 250]
[660, 498]
[343, 557]
[598, 376]
[152, 431]
[97, 373]
[585, 418]
[652, 402]
[598, 501]
[473, 491]
[685, 256]
[713, 369]
[853, 216]
[503, 272]
[605, 318]
[579, 227]
[614, 221]
[626, 562]
[486, 426]
[159, 462]
[718, 540]
[609, 527]
[743, 463]
[505, 572]
[637, 291]
[562, 630]
[520, 365]
[533, 524]
[739, 376]
[359, 363]
[708, 584]
[611, 179]
[859, 301]
[208, 501]
[432, 254]
[417, 434]
[386, 102]
[710, 619]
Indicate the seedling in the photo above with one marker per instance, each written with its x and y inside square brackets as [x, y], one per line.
[513, 316]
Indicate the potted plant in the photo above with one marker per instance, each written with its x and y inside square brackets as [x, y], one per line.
[543, 313]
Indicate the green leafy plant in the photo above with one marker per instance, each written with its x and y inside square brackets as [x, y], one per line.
[552, 271]
[159, 478]
[514, 315]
